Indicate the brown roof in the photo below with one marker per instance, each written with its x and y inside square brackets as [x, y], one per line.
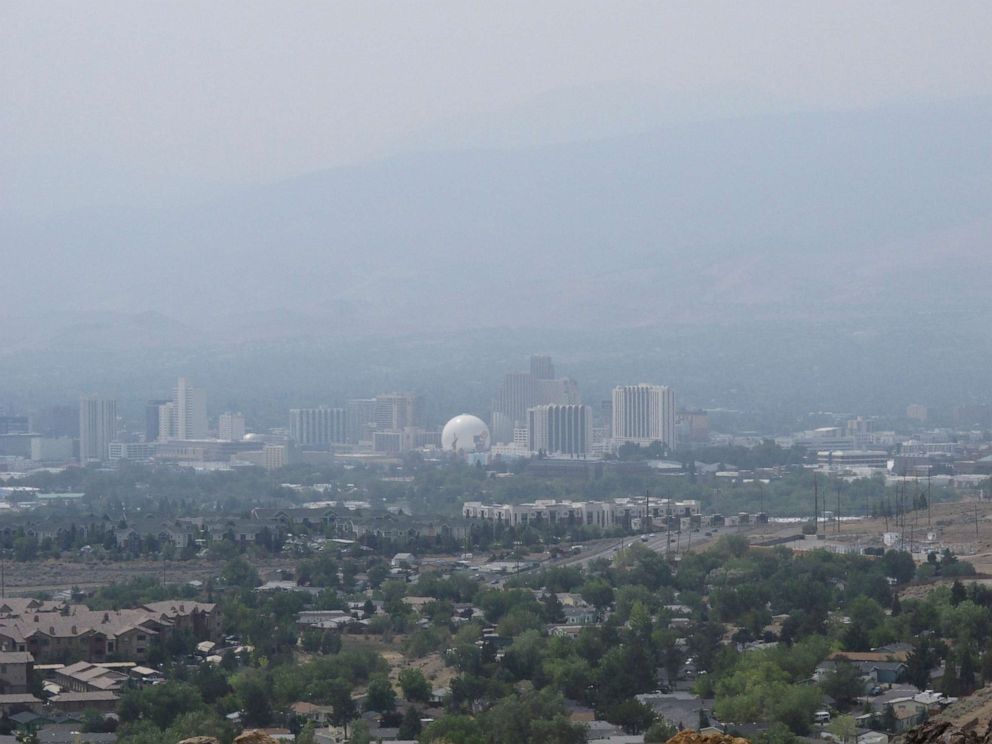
[175, 607]
[83, 697]
[81, 622]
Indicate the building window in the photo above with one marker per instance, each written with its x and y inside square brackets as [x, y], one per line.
[141, 638]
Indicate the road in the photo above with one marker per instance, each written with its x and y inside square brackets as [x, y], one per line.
[659, 543]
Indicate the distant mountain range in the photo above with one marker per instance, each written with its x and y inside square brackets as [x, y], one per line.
[809, 215]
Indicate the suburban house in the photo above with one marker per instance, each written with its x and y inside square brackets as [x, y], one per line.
[200, 618]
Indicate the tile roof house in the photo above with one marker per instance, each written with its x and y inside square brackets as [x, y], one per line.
[97, 635]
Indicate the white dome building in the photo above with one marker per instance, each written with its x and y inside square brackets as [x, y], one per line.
[464, 434]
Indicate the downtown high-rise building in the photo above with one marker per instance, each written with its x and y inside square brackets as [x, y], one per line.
[560, 429]
[185, 416]
[318, 426]
[643, 414]
[153, 424]
[521, 391]
[398, 411]
[191, 411]
[515, 396]
[541, 367]
[231, 426]
[97, 428]
[359, 419]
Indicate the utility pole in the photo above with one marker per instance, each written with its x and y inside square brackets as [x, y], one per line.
[929, 497]
[647, 511]
[837, 516]
[816, 506]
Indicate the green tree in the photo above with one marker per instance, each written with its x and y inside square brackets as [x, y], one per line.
[161, 704]
[415, 686]
[633, 716]
[454, 729]
[381, 696]
[920, 661]
[343, 709]
[597, 592]
[255, 696]
[966, 672]
[958, 593]
[659, 731]
[307, 734]
[410, 726]
[843, 683]
[844, 728]
[240, 573]
[889, 721]
[553, 610]
[795, 707]
[777, 733]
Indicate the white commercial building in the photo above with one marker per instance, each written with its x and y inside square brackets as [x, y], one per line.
[643, 414]
[620, 512]
[185, 416]
[310, 426]
[560, 429]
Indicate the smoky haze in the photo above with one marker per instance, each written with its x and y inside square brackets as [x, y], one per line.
[229, 180]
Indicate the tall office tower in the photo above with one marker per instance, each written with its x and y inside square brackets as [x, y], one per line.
[561, 391]
[560, 430]
[501, 427]
[643, 414]
[190, 411]
[308, 426]
[521, 391]
[153, 410]
[167, 421]
[397, 411]
[97, 428]
[515, 396]
[541, 367]
[231, 426]
[606, 415]
[359, 418]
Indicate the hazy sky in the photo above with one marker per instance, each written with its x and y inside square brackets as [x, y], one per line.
[245, 91]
